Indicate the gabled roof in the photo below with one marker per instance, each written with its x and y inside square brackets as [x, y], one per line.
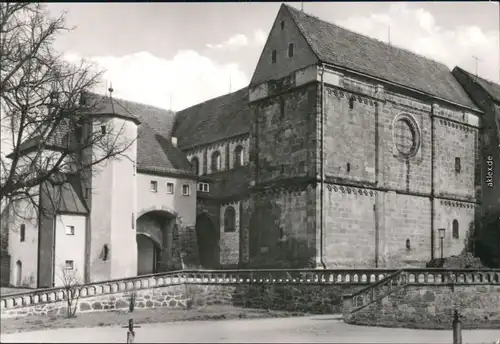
[343, 48]
[490, 87]
[155, 152]
[62, 198]
[213, 120]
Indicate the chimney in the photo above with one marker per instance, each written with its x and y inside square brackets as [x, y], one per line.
[174, 141]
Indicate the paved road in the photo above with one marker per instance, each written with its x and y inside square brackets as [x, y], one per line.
[319, 329]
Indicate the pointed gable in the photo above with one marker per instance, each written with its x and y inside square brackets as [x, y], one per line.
[343, 48]
[283, 33]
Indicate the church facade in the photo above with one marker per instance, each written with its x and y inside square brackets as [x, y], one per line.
[343, 152]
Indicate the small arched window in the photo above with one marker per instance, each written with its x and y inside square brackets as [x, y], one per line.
[216, 161]
[238, 156]
[351, 103]
[229, 220]
[196, 165]
[455, 228]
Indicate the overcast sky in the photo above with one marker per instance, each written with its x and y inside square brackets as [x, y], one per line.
[175, 55]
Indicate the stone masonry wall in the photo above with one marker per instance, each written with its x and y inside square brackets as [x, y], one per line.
[282, 228]
[285, 135]
[349, 222]
[318, 299]
[349, 136]
[432, 307]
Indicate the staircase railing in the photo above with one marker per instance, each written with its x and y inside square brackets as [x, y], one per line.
[414, 276]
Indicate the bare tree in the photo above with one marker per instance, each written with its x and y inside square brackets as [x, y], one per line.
[48, 115]
[72, 285]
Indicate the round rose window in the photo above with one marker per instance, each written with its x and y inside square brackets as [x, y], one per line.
[405, 137]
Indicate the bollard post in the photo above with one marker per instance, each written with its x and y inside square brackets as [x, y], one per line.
[457, 328]
[130, 332]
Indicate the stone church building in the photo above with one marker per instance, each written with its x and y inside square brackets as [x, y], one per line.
[342, 152]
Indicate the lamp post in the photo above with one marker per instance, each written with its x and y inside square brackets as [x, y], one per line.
[441, 237]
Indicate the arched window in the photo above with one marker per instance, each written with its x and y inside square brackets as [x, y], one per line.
[196, 165]
[216, 161]
[455, 229]
[19, 273]
[238, 156]
[229, 220]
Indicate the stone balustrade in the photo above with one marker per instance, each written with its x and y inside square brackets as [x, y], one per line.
[266, 276]
[433, 281]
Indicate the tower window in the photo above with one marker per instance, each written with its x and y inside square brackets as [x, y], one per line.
[455, 232]
[290, 50]
[22, 232]
[282, 25]
[458, 166]
[348, 167]
[273, 56]
[70, 230]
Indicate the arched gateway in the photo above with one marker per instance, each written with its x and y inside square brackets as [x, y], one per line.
[154, 241]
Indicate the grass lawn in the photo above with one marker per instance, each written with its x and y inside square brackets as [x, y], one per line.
[140, 316]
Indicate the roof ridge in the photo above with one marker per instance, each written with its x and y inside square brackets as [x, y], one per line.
[362, 35]
[477, 76]
[211, 99]
[117, 99]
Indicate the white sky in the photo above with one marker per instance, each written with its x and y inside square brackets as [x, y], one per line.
[202, 59]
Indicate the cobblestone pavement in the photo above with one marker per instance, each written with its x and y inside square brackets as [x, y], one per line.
[319, 329]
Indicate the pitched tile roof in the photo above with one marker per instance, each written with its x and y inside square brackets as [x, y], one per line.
[155, 152]
[213, 120]
[492, 88]
[62, 198]
[338, 46]
[104, 105]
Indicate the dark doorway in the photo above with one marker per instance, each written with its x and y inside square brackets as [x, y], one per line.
[208, 242]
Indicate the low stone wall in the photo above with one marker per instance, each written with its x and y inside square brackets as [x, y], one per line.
[316, 299]
[432, 306]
